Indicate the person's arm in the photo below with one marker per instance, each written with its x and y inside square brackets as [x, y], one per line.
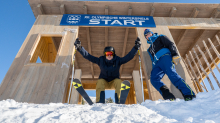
[132, 53]
[170, 45]
[84, 53]
[89, 57]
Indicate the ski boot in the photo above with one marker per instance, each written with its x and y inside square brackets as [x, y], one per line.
[167, 95]
[189, 97]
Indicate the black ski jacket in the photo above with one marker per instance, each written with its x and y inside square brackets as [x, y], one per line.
[160, 45]
[109, 68]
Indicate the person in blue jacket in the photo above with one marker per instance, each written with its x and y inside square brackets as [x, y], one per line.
[164, 55]
[109, 64]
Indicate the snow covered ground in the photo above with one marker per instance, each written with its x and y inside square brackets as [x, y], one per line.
[204, 109]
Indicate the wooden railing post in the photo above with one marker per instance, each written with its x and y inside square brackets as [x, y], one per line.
[200, 75]
[197, 80]
[200, 64]
[207, 63]
[210, 55]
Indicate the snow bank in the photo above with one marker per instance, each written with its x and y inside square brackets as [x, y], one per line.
[204, 109]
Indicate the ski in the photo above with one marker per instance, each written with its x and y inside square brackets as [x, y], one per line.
[78, 86]
[125, 87]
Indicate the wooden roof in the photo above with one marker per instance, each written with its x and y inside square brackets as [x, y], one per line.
[121, 8]
[94, 39]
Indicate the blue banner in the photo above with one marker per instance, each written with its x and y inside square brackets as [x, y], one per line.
[107, 20]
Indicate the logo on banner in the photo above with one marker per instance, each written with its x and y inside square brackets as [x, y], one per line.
[73, 19]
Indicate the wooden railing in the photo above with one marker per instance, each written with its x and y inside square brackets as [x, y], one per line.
[197, 71]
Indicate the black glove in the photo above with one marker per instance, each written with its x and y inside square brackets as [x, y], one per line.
[137, 43]
[78, 44]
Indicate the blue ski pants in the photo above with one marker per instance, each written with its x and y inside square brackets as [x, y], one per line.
[166, 66]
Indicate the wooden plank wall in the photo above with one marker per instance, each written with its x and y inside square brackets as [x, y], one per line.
[45, 50]
[40, 83]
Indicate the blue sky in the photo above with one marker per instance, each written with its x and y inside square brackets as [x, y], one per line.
[17, 19]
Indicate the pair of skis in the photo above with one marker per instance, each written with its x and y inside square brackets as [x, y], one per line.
[125, 87]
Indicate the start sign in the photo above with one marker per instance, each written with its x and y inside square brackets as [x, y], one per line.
[107, 20]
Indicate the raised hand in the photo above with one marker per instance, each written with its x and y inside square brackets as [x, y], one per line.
[78, 44]
[137, 43]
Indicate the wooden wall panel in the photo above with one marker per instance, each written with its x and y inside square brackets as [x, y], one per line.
[46, 82]
[18, 62]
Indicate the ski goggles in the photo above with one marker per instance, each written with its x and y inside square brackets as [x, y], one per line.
[109, 53]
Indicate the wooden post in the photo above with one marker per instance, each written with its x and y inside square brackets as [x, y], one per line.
[213, 47]
[40, 9]
[200, 64]
[152, 11]
[74, 96]
[125, 40]
[191, 76]
[217, 38]
[200, 75]
[197, 80]
[147, 65]
[106, 28]
[210, 55]
[62, 9]
[137, 86]
[207, 63]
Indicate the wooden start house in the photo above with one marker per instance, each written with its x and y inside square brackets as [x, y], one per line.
[194, 28]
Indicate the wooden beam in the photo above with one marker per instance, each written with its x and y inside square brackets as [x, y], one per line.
[152, 11]
[173, 12]
[194, 73]
[125, 39]
[191, 76]
[210, 55]
[106, 28]
[136, 66]
[89, 42]
[209, 45]
[88, 76]
[200, 64]
[209, 66]
[74, 96]
[55, 44]
[197, 68]
[138, 86]
[194, 13]
[213, 47]
[195, 41]
[85, 9]
[184, 32]
[180, 38]
[40, 10]
[62, 9]
[76, 65]
[188, 23]
[215, 13]
[217, 38]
